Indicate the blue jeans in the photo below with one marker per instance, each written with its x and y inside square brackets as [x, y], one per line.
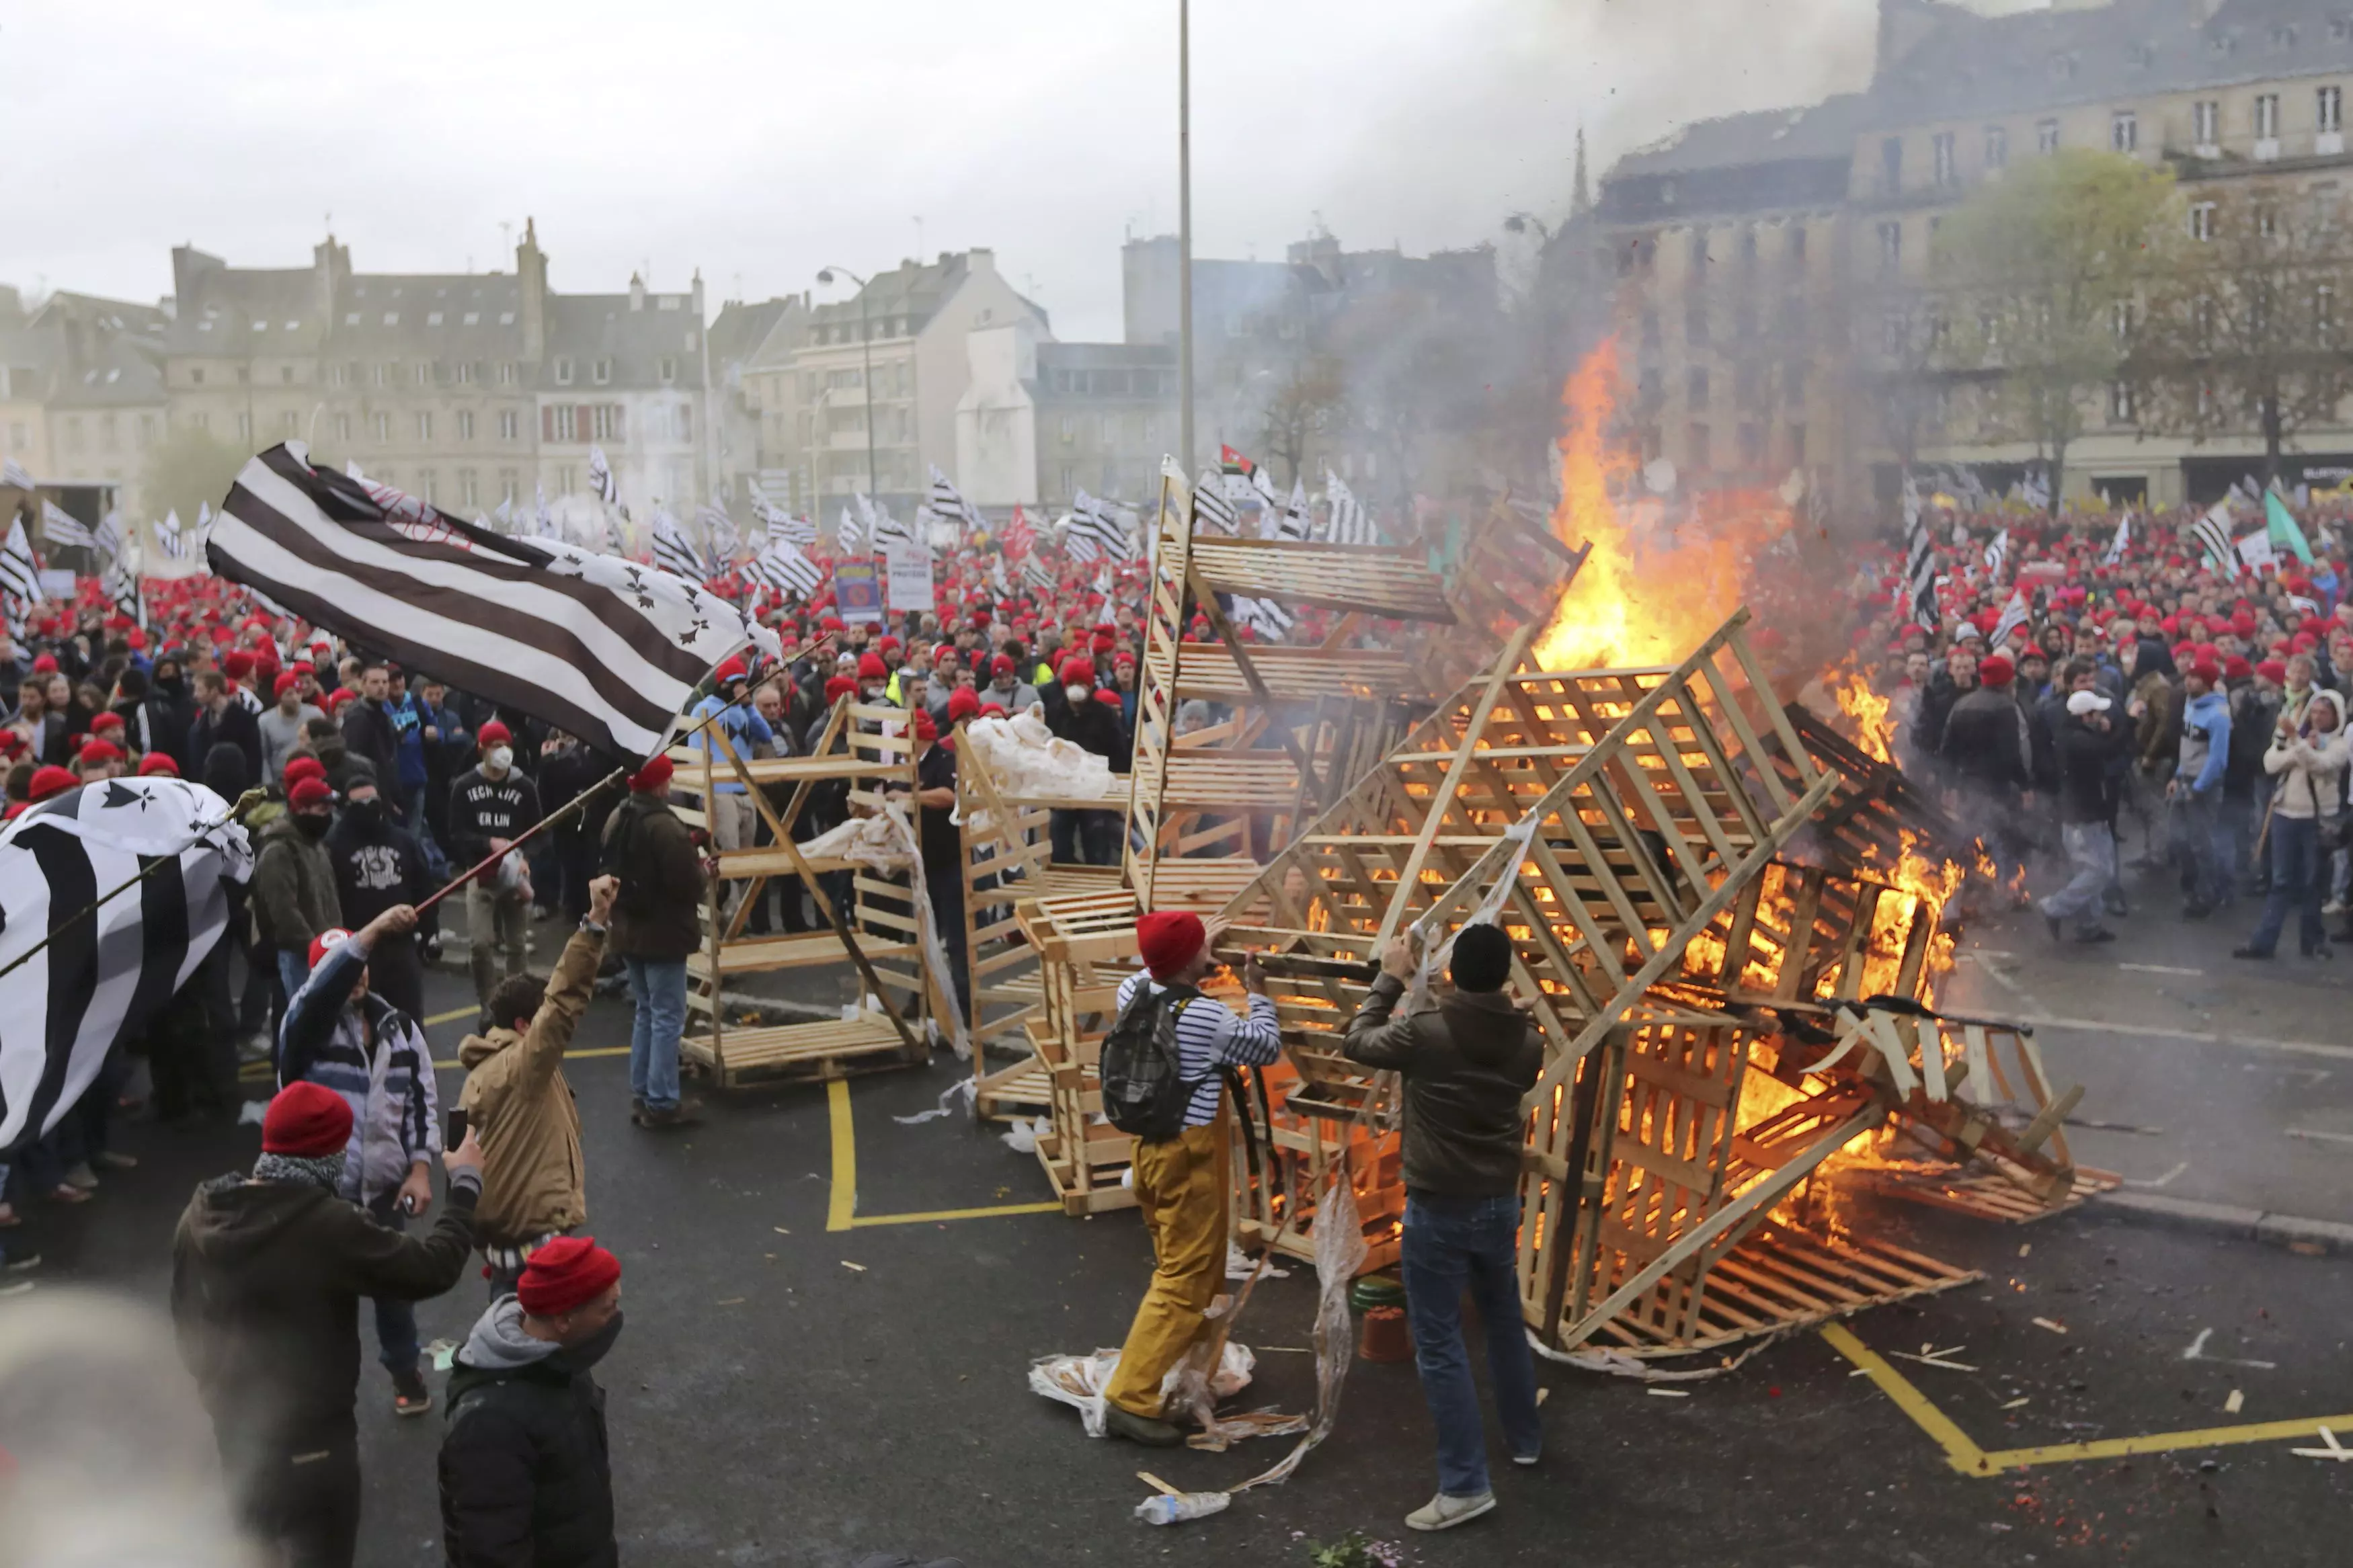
[293, 969]
[657, 986]
[395, 1321]
[2296, 884]
[1450, 1243]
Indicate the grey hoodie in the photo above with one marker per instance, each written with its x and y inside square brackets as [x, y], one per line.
[499, 1343]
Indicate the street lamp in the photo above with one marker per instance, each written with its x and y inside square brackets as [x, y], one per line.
[866, 344]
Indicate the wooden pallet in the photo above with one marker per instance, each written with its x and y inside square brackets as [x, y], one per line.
[1302, 1116]
[1086, 946]
[1978, 1191]
[1798, 932]
[882, 1034]
[1874, 815]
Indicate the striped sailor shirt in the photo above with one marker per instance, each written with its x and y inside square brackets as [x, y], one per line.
[1208, 1038]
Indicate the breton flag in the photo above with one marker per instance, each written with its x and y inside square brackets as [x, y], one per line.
[1038, 575]
[1212, 513]
[2013, 616]
[169, 538]
[204, 527]
[600, 478]
[780, 525]
[783, 567]
[1270, 620]
[2213, 536]
[61, 528]
[599, 646]
[1919, 560]
[1294, 523]
[1349, 522]
[108, 536]
[104, 976]
[2115, 551]
[998, 580]
[1996, 555]
[719, 532]
[1096, 529]
[13, 474]
[675, 554]
[503, 515]
[20, 581]
[947, 502]
[543, 521]
[850, 535]
[881, 529]
[122, 586]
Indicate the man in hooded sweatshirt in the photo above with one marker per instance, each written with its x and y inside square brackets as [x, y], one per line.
[1466, 1059]
[526, 1474]
[267, 1274]
[490, 806]
[515, 1099]
[2195, 793]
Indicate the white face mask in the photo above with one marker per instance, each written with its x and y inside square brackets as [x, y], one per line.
[1075, 693]
[501, 759]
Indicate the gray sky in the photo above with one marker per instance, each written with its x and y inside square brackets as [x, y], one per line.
[763, 141]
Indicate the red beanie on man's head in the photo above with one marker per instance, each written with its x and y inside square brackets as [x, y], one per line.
[654, 777]
[1169, 940]
[568, 1272]
[48, 781]
[306, 1121]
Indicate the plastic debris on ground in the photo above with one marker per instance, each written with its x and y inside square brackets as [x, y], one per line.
[1022, 1136]
[1240, 1265]
[1078, 1380]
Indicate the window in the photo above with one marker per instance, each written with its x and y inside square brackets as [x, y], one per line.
[1695, 387]
[1747, 247]
[424, 372]
[1748, 386]
[605, 421]
[1891, 166]
[2267, 221]
[1947, 163]
[507, 373]
[564, 423]
[285, 375]
[843, 380]
[2267, 119]
[290, 423]
[73, 434]
[466, 487]
[1895, 332]
[433, 318]
[564, 370]
[2062, 67]
[2120, 403]
[1698, 253]
[2328, 103]
[1997, 147]
[1891, 246]
[465, 424]
[2324, 312]
[2206, 123]
[197, 375]
[425, 486]
[2123, 131]
[507, 423]
[507, 488]
[201, 421]
[343, 428]
[1752, 446]
[2202, 220]
[1650, 335]
[425, 427]
[1695, 324]
[685, 423]
[604, 371]
[669, 370]
[2120, 320]
[1695, 440]
[2046, 136]
[380, 375]
[472, 318]
[1067, 430]
[244, 428]
[467, 371]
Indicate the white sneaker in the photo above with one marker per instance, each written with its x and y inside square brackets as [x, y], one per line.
[1443, 1512]
[2333, 907]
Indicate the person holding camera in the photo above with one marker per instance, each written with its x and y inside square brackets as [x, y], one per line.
[535, 1183]
[2307, 760]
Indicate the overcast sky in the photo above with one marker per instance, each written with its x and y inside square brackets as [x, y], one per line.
[763, 141]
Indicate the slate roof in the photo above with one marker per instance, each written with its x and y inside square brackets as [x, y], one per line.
[1825, 130]
[440, 316]
[590, 327]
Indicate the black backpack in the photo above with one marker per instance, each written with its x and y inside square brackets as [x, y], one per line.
[1145, 1091]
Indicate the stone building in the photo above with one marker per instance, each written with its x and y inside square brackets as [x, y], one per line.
[81, 396]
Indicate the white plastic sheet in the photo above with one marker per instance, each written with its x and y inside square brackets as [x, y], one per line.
[1029, 762]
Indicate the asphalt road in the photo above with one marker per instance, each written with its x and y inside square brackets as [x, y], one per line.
[772, 1404]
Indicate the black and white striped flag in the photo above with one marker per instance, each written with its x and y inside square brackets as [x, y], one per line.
[20, 579]
[599, 647]
[1037, 574]
[719, 532]
[947, 502]
[121, 585]
[600, 478]
[108, 538]
[675, 554]
[850, 538]
[1099, 524]
[882, 529]
[1293, 523]
[61, 528]
[783, 567]
[2213, 534]
[2120, 543]
[780, 525]
[2013, 616]
[1269, 619]
[170, 540]
[1212, 513]
[1349, 524]
[13, 475]
[104, 976]
[1919, 560]
[1996, 555]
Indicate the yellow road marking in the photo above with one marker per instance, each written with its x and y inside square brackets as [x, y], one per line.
[452, 1014]
[842, 1211]
[569, 1056]
[1969, 1459]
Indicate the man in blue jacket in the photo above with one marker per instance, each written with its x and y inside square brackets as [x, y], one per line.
[2195, 795]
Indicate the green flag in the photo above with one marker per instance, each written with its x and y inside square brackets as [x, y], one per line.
[2283, 529]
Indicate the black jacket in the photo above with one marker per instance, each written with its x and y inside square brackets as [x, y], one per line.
[265, 1285]
[1466, 1061]
[483, 808]
[1092, 725]
[526, 1478]
[368, 733]
[234, 725]
[657, 914]
[1987, 739]
[377, 864]
[2086, 773]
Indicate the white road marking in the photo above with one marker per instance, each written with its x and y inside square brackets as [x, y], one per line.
[2319, 1136]
[2157, 969]
[2165, 1180]
[2313, 1077]
[2193, 1036]
[2197, 1351]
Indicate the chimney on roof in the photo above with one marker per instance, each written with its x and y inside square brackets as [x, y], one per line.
[531, 273]
[637, 293]
[695, 295]
[979, 258]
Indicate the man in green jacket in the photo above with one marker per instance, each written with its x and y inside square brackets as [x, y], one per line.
[657, 921]
[267, 1275]
[1466, 1060]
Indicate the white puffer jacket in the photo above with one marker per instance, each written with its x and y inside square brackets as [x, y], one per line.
[2310, 771]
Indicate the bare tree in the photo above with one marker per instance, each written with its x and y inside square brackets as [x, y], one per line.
[2245, 334]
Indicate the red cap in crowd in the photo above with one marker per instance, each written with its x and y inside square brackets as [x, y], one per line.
[1106, 695]
[98, 752]
[1002, 664]
[306, 793]
[2207, 670]
[964, 702]
[237, 664]
[926, 729]
[158, 762]
[1996, 670]
[1169, 940]
[730, 669]
[326, 942]
[2236, 668]
[306, 1122]
[45, 664]
[302, 767]
[839, 687]
[285, 682]
[569, 1272]
[1077, 673]
[871, 668]
[107, 720]
[2273, 670]
[48, 781]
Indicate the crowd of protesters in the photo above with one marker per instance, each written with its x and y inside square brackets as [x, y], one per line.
[2080, 691]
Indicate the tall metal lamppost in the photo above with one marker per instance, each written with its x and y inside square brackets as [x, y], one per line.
[866, 344]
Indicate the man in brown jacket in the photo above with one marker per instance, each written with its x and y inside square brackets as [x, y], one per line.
[657, 921]
[516, 1101]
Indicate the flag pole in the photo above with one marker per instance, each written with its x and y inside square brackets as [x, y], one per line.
[1185, 231]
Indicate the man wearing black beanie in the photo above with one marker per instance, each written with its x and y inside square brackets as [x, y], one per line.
[1466, 1059]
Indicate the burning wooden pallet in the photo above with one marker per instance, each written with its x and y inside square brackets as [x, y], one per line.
[1086, 945]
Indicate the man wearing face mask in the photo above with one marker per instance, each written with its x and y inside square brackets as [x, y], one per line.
[377, 864]
[1073, 714]
[294, 897]
[490, 806]
[525, 1476]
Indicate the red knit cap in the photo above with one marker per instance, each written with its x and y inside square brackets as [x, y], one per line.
[839, 687]
[303, 767]
[2273, 670]
[50, 781]
[964, 702]
[494, 734]
[2208, 671]
[1169, 940]
[238, 664]
[1996, 671]
[1076, 672]
[158, 762]
[1001, 665]
[285, 682]
[100, 751]
[654, 777]
[306, 1121]
[568, 1272]
[871, 668]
